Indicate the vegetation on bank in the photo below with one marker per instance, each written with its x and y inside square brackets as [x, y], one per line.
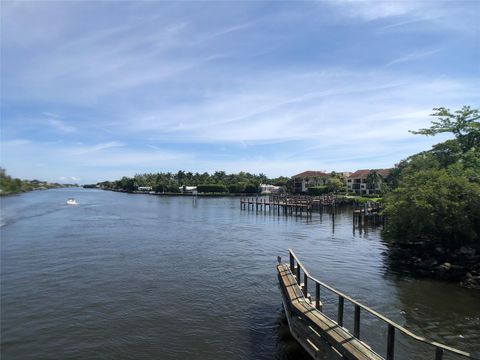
[437, 192]
[218, 182]
[434, 200]
[9, 185]
[334, 185]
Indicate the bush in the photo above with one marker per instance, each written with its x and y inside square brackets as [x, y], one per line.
[252, 189]
[363, 199]
[234, 188]
[212, 188]
[444, 208]
[335, 185]
[372, 196]
[317, 190]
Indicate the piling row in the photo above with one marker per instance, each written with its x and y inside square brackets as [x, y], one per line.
[368, 213]
[279, 205]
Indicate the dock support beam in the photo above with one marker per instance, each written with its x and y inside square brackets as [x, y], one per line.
[317, 296]
[390, 342]
[340, 311]
[356, 322]
[438, 354]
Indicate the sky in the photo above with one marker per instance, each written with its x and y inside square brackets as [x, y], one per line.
[97, 90]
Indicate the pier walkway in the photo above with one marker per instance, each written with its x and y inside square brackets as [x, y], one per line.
[326, 338]
[287, 205]
[300, 205]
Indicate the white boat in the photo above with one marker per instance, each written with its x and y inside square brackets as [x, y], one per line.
[72, 201]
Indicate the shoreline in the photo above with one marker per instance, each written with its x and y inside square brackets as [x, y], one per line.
[136, 192]
[14, 193]
[461, 266]
[341, 199]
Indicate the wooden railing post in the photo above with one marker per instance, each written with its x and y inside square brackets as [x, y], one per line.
[438, 353]
[390, 342]
[297, 269]
[340, 311]
[356, 322]
[305, 284]
[298, 274]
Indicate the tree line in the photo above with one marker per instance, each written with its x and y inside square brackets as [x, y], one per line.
[9, 185]
[219, 181]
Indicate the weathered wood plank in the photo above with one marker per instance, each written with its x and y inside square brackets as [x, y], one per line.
[312, 321]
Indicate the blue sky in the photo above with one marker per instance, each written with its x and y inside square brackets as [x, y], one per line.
[93, 91]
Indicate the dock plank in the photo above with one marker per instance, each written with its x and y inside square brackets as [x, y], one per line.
[313, 321]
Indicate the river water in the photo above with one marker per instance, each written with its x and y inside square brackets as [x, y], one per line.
[123, 276]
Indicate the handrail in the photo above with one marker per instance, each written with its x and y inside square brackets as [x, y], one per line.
[439, 348]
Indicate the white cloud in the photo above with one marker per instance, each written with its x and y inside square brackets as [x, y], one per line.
[374, 9]
[431, 16]
[61, 126]
[69, 178]
[51, 160]
[413, 56]
[81, 150]
[15, 142]
[286, 109]
[188, 89]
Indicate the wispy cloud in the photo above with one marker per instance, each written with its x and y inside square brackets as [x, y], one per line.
[372, 9]
[61, 126]
[96, 148]
[69, 178]
[413, 56]
[162, 86]
[409, 22]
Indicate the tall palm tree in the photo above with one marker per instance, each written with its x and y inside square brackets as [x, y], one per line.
[373, 179]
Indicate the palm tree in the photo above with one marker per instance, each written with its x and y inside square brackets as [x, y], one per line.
[372, 179]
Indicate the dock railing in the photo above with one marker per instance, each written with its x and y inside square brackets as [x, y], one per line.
[297, 269]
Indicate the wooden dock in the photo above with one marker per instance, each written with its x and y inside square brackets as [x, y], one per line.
[368, 214]
[287, 205]
[325, 338]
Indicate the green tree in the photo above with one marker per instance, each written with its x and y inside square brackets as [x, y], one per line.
[440, 205]
[335, 185]
[252, 188]
[127, 183]
[372, 179]
[436, 193]
[464, 124]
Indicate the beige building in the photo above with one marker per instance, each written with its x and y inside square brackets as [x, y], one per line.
[364, 182]
[301, 182]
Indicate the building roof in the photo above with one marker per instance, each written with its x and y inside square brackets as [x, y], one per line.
[364, 173]
[310, 173]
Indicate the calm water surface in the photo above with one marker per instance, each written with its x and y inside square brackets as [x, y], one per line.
[123, 276]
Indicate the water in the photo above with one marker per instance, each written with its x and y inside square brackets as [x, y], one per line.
[123, 276]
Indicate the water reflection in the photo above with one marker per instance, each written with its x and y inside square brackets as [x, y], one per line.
[144, 277]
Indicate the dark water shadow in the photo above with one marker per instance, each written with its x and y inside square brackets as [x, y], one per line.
[272, 339]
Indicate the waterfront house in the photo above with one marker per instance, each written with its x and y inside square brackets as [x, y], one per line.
[270, 189]
[301, 182]
[144, 188]
[188, 189]
[364, 182]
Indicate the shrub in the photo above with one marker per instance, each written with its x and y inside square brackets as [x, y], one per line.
[252, 189]
[317, 190]
[212, 188]
[234, 188]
